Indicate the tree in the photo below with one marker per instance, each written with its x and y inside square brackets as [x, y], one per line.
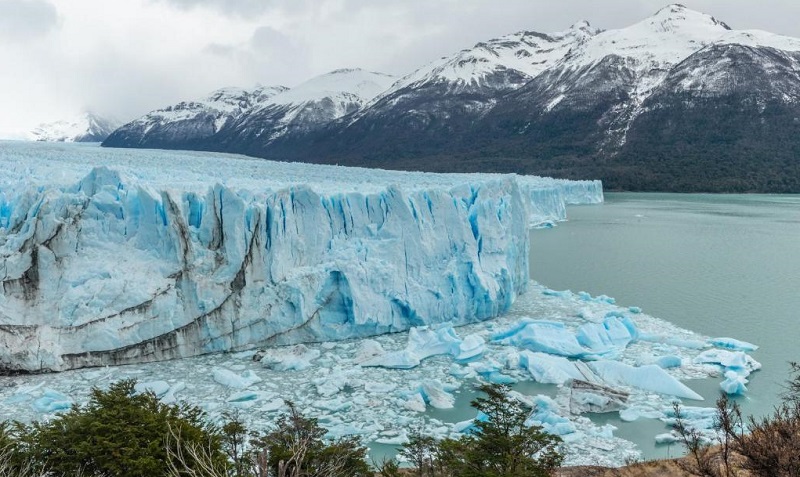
[296, 449]
[118, 434]
[502, 444]
[771, 446]
[421, 452]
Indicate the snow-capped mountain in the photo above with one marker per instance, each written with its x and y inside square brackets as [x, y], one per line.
[237, 116]
[86, 127]
[304, 109]
[677, 94]
[184, 124]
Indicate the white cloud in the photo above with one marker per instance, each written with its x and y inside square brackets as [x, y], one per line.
[125, 58]
[23, 20]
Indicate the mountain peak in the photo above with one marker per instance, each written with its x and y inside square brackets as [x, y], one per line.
[677, 16]
[581, 25]
[362, 83]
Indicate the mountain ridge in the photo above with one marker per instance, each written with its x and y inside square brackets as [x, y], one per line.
[572, 104]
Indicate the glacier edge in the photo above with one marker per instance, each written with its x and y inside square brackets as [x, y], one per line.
[110, 267]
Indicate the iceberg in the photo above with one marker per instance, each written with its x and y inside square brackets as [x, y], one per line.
[112, 257]
[542, 336]
[549, 369]
[650, 377]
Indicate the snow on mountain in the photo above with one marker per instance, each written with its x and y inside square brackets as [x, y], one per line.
[656, 43]
[86, 127]
[223, 105]
[519, 56]
[242, 116]
[317, 102]
[119, 256]
[354, 83]
[188, 122]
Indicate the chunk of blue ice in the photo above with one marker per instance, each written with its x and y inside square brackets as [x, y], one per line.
[669, 361]
[734, 384]
[732, 344]
[52, 401]
[650, 377]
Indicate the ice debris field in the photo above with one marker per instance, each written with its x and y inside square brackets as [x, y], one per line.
[597, 356]
[293, 276]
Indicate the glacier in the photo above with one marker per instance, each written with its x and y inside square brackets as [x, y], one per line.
[112, 257]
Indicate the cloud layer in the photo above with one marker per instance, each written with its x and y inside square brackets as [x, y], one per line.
[126, 58]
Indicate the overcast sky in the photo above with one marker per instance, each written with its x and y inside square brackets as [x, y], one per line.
[126, 57]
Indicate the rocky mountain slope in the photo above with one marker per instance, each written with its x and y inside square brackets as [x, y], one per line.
[678, 101]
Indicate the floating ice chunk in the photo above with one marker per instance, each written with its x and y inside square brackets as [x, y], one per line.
[399, 439]
[545, 414]
[379, 388]
[734, 384]
[367, 350]
[544, 336]
[52, 401]
[591, 397]
[490, 371]
[159, 388]
[613, 334]
[650, 377]
[558, 293]
[464, 426]
[415, 402]
[402, 359]
[634, 412]
[732, 344]
[635, 310]
[230, 379]
[591, 315]
[674, 341]
[297, 357]
[434, 394]
[599, 299]
[425, 342]
[496, 377]
[169, 397]
[667, 438]
[669, 361]
[738, 361]
[244, 396]
[701, 419]
[549, 369]
[460, 371]
[471, 348]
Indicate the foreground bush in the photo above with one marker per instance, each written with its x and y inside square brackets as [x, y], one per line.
[766, 447]
[500, 445]
[116, 434]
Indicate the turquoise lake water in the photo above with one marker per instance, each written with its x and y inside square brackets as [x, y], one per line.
[720, 265]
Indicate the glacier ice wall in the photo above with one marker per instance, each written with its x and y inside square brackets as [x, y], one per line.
[113, 257]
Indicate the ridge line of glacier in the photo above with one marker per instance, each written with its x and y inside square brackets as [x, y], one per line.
[112, 257]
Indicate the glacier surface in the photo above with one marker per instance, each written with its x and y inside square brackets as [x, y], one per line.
[120, 256]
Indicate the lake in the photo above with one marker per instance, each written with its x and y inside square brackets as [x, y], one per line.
[720, 265]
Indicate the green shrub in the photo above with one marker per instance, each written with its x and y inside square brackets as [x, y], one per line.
[118, 434]
[500, 445]
[296, 448]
